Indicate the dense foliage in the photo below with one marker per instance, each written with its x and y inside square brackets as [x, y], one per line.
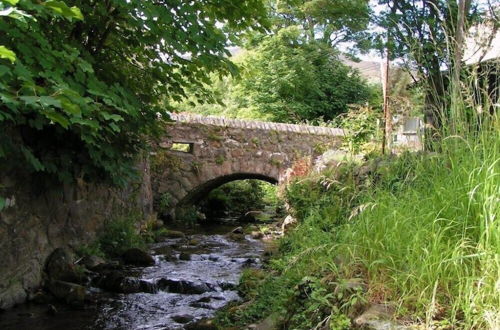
[293, 80]
[328, 21]
[239, 197]
[83, 81]
[289, 79]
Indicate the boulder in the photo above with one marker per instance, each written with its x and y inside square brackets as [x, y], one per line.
[193, 242]
[157, 224]
[182, 286]
[184, 256]
[60, 267]
[92, 262]
[51, 309]
[13, 295]
[107, 267]
[173, 234]
[201, 216]
[205, 324]
[288, 223]
[119, 283]
[237, 230]
[138, 257]
[250, 217]
[378, 317]
[41, 297]
[71, 293]
[257, 234]
[183, 318]
[236, 237]
[164, 250]
[169, 258]
[197, 304]
[228, 286]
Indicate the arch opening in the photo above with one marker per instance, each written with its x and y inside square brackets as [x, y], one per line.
[197, 194]
[232, 198]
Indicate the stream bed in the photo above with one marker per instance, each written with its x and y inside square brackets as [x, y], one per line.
[192, 277]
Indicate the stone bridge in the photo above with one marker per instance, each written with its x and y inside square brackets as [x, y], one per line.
[198, 154]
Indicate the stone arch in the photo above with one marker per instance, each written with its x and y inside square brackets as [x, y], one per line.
[218, 151]
[197, 194]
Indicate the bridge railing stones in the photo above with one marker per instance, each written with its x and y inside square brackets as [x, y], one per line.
[255, 124]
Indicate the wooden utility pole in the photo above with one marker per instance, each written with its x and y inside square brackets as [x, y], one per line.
[387, 137]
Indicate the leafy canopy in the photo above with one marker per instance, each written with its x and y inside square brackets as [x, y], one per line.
[293, 80]
[82, 81]
[287, 78]
[423, 35]
[329, 21]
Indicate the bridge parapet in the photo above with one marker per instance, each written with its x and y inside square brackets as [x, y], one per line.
[197, 154]
[255, 124]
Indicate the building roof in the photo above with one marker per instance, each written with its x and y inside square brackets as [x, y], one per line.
[482, 44]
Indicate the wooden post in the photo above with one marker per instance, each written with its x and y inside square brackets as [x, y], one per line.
[386, 140]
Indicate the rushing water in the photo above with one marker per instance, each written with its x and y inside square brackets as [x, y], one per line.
[209, 279]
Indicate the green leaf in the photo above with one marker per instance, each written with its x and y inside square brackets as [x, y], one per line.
[114, 127]
[85, 66]
[3, 203]
[71, 108]
[29, 100]
[57, 118]
[32, 160]
[113, 117]
[11, 2]
[7, 54]
[62, 9]
[15, 14]
[49, 101]
[86, 122]
[4, 69]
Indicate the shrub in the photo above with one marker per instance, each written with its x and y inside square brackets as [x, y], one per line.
[120, 234]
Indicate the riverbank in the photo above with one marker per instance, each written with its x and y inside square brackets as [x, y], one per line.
[176, 282]
[413, 240]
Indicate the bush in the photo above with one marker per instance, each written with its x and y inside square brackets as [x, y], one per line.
[118, 235]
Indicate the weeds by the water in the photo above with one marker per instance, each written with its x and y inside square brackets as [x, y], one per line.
[420, 232]
[431, 244]
[116, 236]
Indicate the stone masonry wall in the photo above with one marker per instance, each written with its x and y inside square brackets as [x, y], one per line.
[222, 150]
[35, 224]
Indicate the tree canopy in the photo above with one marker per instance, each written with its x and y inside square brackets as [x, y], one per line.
[287, 78]
[82, 81]
[293, 80]
[329, 21]
[423, 35]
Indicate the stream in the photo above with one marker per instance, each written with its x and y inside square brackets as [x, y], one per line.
[193, 277]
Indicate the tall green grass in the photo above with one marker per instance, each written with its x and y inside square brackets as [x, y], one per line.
[421, 231]
[431, 242]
